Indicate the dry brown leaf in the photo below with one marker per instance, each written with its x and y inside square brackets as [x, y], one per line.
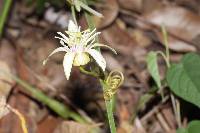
[119, 39]
[134, 5]
[181, 23]
[140, 37]
[110, 11]
[6, 81]
[3, 107]
[113, 63]
[127, 127]
[151, 5]
[48, 125]
[73, 127]
[8, 54]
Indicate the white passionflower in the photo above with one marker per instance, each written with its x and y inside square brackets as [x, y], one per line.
[79, 46]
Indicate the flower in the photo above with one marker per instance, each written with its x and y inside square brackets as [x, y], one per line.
[79, 47]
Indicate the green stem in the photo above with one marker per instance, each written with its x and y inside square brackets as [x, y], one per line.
[74, 14]
[87, 72]
[175, 102]
[109, 109]
[109, 103]
[164, 32]
[165, 58]
[89, 19]
[87, 8]
[4, 14]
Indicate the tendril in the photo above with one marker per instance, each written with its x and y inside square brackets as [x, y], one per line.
[113, 81]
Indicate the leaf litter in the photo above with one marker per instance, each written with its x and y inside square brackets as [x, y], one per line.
[132, 28]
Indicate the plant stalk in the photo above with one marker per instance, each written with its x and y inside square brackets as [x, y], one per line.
[175, 102]
[109, 108]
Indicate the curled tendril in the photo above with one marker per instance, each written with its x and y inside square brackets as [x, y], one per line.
[113, 81]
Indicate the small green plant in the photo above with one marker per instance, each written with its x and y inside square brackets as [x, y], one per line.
[182, 79]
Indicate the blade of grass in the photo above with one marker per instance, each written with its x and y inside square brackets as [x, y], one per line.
[4, 14]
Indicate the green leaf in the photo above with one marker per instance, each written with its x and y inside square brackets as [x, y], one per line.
[194, 126]
[191, 63]
[181, 130]
[152, 66]
[183, 78]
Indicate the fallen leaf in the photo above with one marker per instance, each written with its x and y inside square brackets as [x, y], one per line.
[6, 82]
[110, 10]
[140, 37]
[48, 124]
[119, 39]
[8, 54]
[134, 5]
[152, 5]
[3, 107]
[73, 127]
[113, 63]
[182, 24]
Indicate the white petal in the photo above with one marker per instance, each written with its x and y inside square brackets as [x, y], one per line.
[64, 36]
[63, 44]
[67, 63]
[72, 27]
[87, 35]
[55, 51]
[98, 58]
[101, 45]
[92, 37]
[62, 39]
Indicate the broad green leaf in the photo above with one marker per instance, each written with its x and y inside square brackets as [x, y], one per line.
[153, 67]
[194, 126]
[183, 79]
[181, 130]
[191, 63]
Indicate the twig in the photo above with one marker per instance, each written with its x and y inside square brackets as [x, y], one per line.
[162, 121]
[154, 110]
